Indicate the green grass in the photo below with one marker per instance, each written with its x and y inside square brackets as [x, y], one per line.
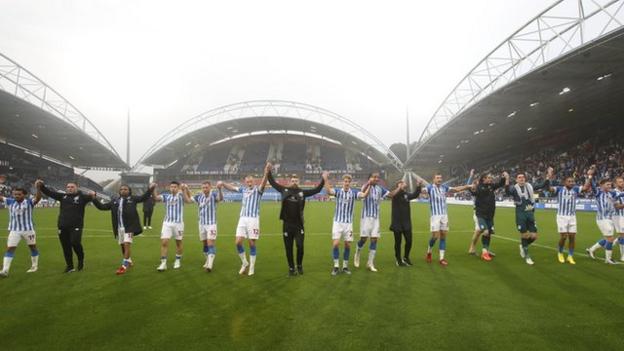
[470, 304]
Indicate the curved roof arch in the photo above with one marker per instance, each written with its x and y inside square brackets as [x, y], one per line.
[563, 27]
[18, 82]
[265, 116]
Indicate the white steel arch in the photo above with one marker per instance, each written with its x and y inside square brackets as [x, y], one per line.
[272, 108]
[563, 27]
[23, 84]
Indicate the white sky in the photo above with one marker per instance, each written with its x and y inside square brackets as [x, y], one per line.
[167, 61]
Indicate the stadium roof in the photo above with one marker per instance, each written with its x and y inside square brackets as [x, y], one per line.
[265, 117]
[568, 78]
[35, 117]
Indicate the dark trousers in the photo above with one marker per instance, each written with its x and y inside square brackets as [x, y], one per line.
[147, 219]
[293, 234]
[398, 235]
[71, 238]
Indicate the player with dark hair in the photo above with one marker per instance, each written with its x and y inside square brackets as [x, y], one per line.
[607, 205]
[523, 195]
[566, 213]
[70, 220]
[206, 202]
[20, 227]
[125, 220]
[401, 224]
[291, 213]
[485, 206]
[439, 221]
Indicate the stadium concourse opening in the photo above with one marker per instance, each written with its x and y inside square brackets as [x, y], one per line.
[232, 141]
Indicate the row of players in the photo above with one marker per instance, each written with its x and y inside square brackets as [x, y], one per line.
[126, 223]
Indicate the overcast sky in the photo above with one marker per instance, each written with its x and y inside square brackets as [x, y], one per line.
[167, 61]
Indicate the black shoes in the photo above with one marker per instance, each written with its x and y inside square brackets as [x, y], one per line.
[80, 266]
[346, 270]
[407, 261]
[335, 271]
[300, 270]
[292, 272]
[400, 263]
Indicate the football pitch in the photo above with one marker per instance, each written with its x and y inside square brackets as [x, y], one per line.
[471, 304]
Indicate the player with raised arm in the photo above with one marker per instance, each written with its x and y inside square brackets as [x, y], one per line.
[173, 223]
[249, 222]
[206, 202]
[566, 213]
[483, 191]
[618, 217]
[342, 227]
[369, 221]
[291, 213]
[523, 196]
[439, 222]
[606, 201]
[20, 227]
[70, 220]
[125, 220]
[401, 225]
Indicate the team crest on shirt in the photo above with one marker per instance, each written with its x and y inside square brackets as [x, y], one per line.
[301, 193]
[76, 199]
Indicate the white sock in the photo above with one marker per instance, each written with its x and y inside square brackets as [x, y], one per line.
[34, 260]
[595, 247]
[429, 248]
[442, 254]
[6, 264]
[252, 260]
[608, 254]
[336, 263]
[211, 258]
[345, 264]
[484, 250]
[371, 257]
[622, 250]
[163, 260]
[243, 258]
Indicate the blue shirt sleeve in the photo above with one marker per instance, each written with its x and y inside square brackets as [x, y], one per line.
[445, 187]
[165, 197]
[384, 191]
[196, 197]
[9, 201]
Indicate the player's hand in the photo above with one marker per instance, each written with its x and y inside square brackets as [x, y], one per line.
[325, 175]
[472, 172]
[38, 183]
[184, 186]
[506, 175]
[152, 186]
[268, 167]
[219, 184]
[91, 193]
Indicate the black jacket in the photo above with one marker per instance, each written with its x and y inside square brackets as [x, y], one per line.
[129, 213]
[485, 199]
[72, 210]
[293, 201]
[148, 205]
[401, 215]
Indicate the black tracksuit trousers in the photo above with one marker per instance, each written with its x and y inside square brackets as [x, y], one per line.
[71, 239]
[293, 234]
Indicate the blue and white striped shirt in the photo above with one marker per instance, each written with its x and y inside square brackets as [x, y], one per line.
[567, 200]
[345, 203]
[251, 201]
[372, 201]
[437, 199]
[604, 201]
[207, 210]
[174, 207]
[20, 214]
[619, 198]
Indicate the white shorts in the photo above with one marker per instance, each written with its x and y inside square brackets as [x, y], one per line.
[342, 231]
[369, 227]
[566, 224]
[606, 226]
[618, 223]
[248, 227]
[172, 230]
[439, 223]
[15, 237]
[208, 232]
[123, 237]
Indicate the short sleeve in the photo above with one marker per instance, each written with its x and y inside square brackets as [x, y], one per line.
[165, 197]
[384, 192]
[196, 198]
[428, 188]
[214, 195]
[9, 201]
[337, 192]
[445, 187]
